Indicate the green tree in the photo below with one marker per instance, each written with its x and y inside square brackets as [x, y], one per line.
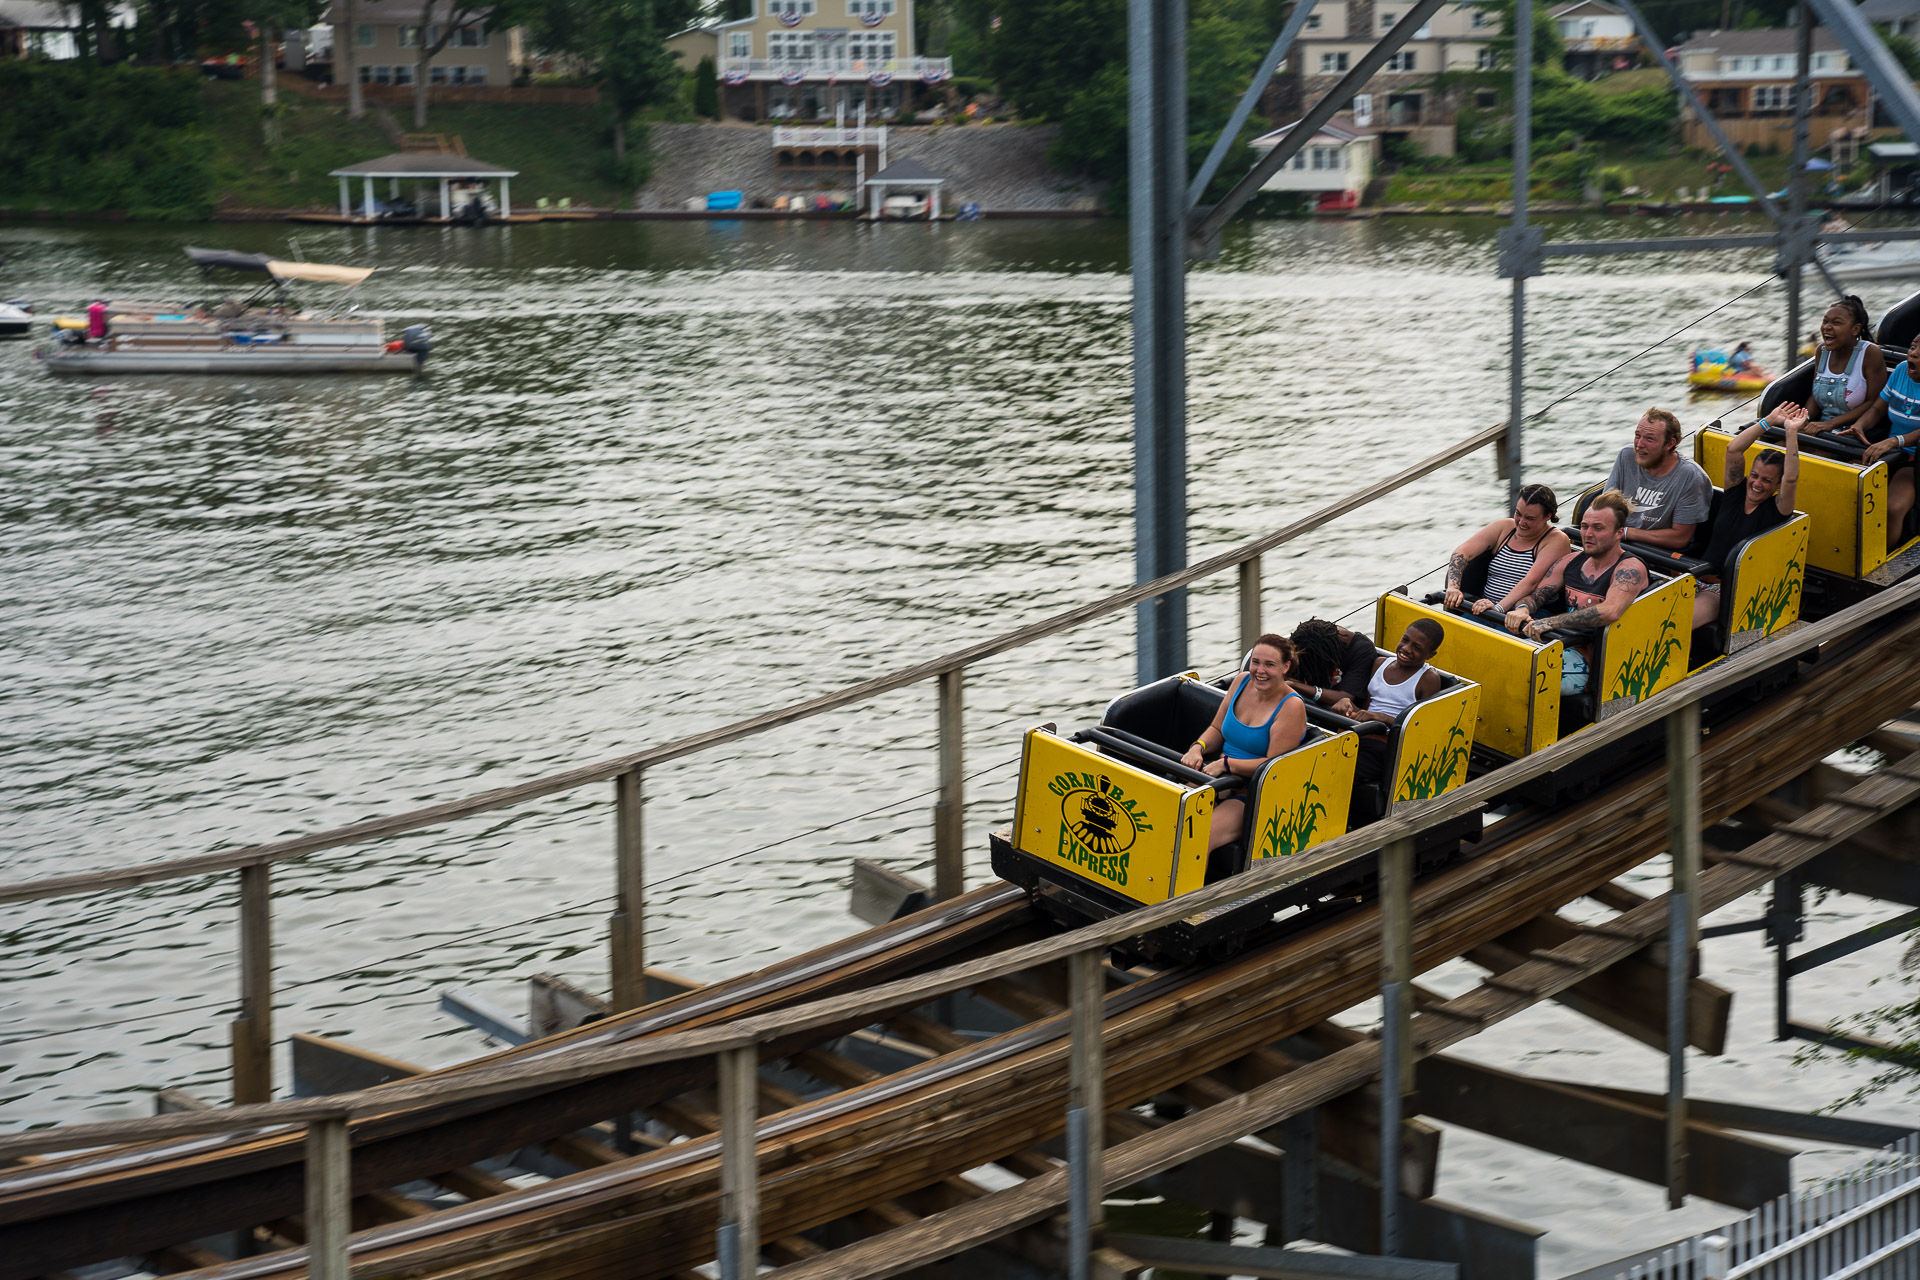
[625, 41]
[706, 89]
[1898, 1024]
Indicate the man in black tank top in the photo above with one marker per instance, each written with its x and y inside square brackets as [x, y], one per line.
[1599, 582]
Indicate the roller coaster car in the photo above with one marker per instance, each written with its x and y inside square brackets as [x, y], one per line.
[1522, 708]
[1109, 820]
[1845, 500]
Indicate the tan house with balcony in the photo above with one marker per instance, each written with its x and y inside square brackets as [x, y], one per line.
[1596, 38]
[386, 39]
[1745, 78]
[1399, 101]
[808, 59]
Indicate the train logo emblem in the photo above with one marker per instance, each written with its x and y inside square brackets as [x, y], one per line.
[1099, 823]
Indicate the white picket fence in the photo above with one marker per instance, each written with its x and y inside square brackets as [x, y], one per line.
[1867, 1228]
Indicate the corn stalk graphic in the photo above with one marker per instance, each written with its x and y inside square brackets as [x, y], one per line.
[1435, 771]
[1277, 838]
[1765, 608]
[1640, 673]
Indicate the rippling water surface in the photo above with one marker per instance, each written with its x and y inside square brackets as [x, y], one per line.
[663, 476]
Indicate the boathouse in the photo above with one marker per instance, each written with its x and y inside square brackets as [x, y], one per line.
[455, 175]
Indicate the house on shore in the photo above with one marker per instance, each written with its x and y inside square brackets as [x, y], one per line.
[1334, 166]
[1400, 102]
[387, 36]
[1597, 38]
[50, 30]
[1745, 79]
[811, 59]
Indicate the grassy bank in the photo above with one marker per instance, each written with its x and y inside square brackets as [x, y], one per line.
[1659, 174]
[560, 151]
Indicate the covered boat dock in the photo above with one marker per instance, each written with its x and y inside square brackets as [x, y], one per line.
[445, 170]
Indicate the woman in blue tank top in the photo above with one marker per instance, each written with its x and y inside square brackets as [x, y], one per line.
[1261, 717]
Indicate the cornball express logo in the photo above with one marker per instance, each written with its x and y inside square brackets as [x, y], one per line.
[1098, 823]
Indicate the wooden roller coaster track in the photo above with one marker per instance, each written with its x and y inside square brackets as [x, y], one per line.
[874, 1144]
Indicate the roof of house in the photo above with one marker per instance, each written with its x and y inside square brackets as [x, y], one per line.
[42, 15]
[391, 11]
[1589, 7]
[418, 164]
[1763, 40]
[1329, 131]
[1888, 10]
[906, 171]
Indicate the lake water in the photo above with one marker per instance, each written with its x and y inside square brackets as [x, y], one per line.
[666, 475]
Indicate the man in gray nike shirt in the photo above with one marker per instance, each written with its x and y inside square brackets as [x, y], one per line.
[1670, 494]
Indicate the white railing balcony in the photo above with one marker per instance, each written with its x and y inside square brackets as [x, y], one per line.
[827, 135]
[927, 70]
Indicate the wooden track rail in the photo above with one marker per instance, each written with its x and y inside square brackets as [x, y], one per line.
[877, 1141]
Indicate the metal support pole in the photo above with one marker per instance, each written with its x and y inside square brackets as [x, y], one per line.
[1683, 907]
[1157, 231]
[1249, 602]
[1396, 1060]
[1086, 1113]
[1511, 446]
[739, 1244]
[1783, 930]
[1300, 1172]
[253, 1029]
[329, 1209]
[627, 926]
[949, 811]
[1797, 176]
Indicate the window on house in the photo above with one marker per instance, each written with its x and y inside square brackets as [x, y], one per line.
[470, 38]
[1332, 63]
[476, 75]
[410, 37]
[868, 47]
[1486, 99]
[403, 75]
[739, 44]
[1769, 97]
[1485, 59]
[1402, 61]
[1313, 22]
[777, 7]
[870, 8]
[363, 35]
[790, 46]
[1387, 20]
[1479, 20]
[437, 74]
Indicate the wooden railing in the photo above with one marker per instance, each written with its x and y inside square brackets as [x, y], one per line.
[736, 1046]
[252, 1030]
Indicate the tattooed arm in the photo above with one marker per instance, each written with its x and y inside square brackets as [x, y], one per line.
[1479, 544]
[1522, 611]
[1629, 580]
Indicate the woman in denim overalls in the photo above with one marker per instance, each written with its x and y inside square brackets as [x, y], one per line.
[1848, 371]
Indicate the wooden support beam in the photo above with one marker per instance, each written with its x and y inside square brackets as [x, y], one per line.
[949, 812]
[1249, 602]
[1605, 1132]
[739, 1243]
[627, 927]
[329, 1212]
[1086, 1110]
[253, 1029]
[1630, 997]
[1683, 927]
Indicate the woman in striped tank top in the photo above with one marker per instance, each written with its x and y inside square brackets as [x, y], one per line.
[1518, 552]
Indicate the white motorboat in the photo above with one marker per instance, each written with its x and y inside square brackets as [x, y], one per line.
[263, 333]
[16, 318]
[1883, 260]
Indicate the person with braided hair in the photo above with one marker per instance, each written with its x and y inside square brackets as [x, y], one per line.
[1848, 370]
[1332, 665]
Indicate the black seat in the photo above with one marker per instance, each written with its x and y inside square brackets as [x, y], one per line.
[1171, 712]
